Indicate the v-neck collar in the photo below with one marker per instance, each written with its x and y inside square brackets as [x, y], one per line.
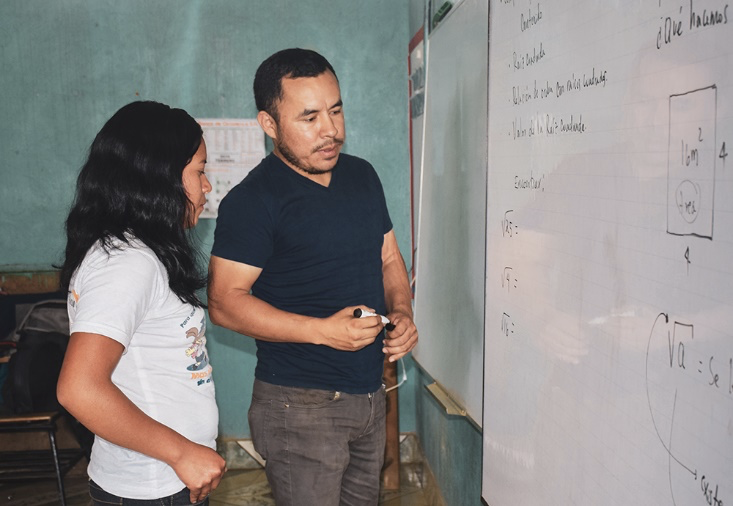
[297, 176]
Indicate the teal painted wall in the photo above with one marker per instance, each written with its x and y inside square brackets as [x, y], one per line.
[452, 447]
[67, 65]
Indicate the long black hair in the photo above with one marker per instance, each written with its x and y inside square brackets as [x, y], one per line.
[131, 184]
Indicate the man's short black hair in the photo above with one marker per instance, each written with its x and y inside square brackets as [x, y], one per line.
[289, 64]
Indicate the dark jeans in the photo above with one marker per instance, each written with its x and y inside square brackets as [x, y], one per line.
[102, 498]
[323, 448]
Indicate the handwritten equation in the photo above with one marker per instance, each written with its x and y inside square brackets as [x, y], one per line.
[680, 369]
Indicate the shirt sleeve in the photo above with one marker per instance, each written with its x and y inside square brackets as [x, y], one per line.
[115, 295]
[386, 220]
[243, 228]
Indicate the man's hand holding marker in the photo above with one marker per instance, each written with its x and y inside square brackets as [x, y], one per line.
[363, 313]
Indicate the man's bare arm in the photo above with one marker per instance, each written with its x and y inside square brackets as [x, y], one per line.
[398, 298]
[232, 305]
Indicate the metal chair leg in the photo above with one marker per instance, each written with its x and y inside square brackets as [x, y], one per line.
[59, 478]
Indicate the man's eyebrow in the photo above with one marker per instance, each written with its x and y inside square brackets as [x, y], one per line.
[308, 112]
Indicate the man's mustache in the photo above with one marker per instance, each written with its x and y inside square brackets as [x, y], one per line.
[335, 142]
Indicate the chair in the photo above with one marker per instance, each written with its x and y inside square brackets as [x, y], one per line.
[29, 394]
[37, 464]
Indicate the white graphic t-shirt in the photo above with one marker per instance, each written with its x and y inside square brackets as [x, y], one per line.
[164, 370]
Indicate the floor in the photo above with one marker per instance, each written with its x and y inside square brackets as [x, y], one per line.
[239, 487]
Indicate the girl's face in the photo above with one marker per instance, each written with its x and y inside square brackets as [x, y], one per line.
[196, 184]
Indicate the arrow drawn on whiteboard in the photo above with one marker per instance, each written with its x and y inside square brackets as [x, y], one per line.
[669, 449]
[667, 444]
[687, 257]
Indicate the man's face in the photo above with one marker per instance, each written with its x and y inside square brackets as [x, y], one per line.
[310, 130]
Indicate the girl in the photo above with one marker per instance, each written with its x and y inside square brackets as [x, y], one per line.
[130, 269]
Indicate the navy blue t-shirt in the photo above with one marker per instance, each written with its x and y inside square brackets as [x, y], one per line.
[320, 250]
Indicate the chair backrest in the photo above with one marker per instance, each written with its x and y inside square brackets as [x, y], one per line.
[34, 368]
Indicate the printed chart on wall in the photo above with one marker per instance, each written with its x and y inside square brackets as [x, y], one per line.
[234, 147]
[609, 285]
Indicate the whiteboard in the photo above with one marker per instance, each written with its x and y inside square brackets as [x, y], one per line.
[609, 277]
[450, 258]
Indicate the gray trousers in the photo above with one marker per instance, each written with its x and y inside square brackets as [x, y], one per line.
[322, 448]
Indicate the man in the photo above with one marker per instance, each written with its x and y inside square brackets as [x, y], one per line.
[300, 244]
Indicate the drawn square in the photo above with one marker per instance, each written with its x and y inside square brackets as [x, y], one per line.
[691, 163]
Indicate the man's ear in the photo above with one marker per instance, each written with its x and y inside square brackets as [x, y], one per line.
[268, 124]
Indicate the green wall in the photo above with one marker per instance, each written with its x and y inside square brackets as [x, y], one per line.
[452, 446]
[68, 65]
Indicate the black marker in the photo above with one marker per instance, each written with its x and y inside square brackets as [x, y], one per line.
[360, 313]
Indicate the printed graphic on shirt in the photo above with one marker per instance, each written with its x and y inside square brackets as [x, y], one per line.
[73, 298]
[197, 349]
